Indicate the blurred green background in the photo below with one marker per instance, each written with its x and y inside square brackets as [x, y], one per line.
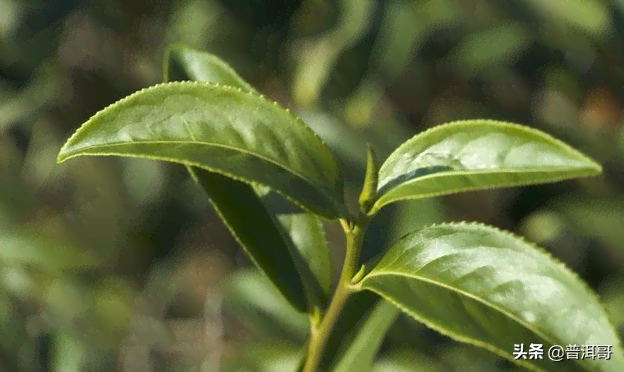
[112, 264]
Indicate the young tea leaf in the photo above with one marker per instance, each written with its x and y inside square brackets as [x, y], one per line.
[304, 231]
[240, 208]
[369, 190]
[479, 285]
[220, 129]
[473, 155]
[307, 233]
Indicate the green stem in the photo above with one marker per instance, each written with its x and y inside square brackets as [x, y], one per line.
[320, 335]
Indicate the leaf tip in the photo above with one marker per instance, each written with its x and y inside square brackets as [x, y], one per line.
[371, 180]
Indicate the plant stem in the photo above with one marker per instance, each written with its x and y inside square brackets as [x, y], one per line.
[320, 335]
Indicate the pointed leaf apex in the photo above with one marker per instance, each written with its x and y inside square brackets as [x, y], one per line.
[369, 190]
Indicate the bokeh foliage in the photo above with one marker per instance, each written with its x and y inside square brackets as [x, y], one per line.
[121, 264]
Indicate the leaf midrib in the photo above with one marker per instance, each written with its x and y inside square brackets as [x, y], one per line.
[385, 200]
[186, 142]
[450, 288]
[461, 172]
[461, 292]
[215, 170]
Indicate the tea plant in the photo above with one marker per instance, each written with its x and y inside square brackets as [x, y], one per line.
[471, 282]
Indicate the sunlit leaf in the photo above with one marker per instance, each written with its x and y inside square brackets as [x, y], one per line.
[220, 129]
[473, 155]
[360, 353]
[304, 230]
[479, 285]
[264, 244]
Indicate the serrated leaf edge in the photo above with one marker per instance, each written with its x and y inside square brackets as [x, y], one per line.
[463, 123]
[382, 201]
[213, 58]
[499, 123]
[360, 285]
[244, 246]
[61, 159]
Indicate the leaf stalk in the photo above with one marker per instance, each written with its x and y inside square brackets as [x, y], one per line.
[320, 333]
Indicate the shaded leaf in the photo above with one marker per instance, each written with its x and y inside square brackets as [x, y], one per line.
[489, 288]
[361, 352]
[186, 63]
[305, 236]
[220, 129]
[254, 229]
[474, 155]
[308, 234]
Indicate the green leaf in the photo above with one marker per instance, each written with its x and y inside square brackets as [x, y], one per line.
[304, 230]
[220, 129]
[184, 63]
[306, 233]
[369, 190]
[362, 350]
[479, 285]
[254, 229]
[474, 155]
